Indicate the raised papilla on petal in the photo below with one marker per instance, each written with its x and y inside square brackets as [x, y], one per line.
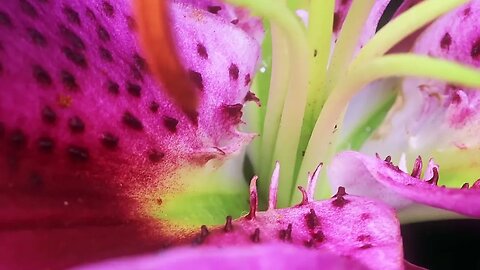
[345, 225]
[380, 179]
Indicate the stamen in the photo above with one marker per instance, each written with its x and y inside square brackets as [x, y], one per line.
[312, 183]
[417, 167]
[253, 198]
[272, 199]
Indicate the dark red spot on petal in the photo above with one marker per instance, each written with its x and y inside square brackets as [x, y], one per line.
[70, 37]
[255, 237]
[286, 234]
[41, 76]
[311, 219]
[113, 87]
[196, 78]
[340, 201]
[446, 41]
[233, 71]
[247, 79]
[72, 15]
[108, 9]
[5, 20]
[170, 123]
[78, 153]
[475, 51]
[36, 37]
[155, 156]
[28, 8]
[18, 139]
[102, 33]
[75, 57]
[154, 106]
[134, 89]
[105, 54]
[69, 80]
[214, 9]
[202, 51]
[76, 125]
[132, 121]
[46, 144]
[109, 140]
[49, 116]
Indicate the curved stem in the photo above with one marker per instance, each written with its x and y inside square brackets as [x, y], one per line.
[319, 147]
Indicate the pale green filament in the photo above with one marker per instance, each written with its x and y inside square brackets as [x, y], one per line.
[320, 88]
[283, 118]
[319, 148]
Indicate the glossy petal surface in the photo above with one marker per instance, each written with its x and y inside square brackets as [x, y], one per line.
[263, 257]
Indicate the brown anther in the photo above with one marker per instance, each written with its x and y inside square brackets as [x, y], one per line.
[388, 159]
[465, 186]
[228, 224]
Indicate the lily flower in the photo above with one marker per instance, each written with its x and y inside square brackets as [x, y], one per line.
[430, 118]
[103, 158]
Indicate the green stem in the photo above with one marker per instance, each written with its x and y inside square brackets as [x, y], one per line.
[404, 25]
[395, 65]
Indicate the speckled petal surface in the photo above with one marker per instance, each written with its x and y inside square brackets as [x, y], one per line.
[262, 257]
[87, 135]
[350, 226]
[374, 177]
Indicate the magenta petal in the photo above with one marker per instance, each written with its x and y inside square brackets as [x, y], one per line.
[80, 111]
[374, 177]
[86, 134]
[350, 226]
[237, 16]
[262, 257]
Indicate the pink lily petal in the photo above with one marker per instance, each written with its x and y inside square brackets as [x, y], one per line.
[435, 115]
[376, 178]
[237, 16]
[262, 257]
[346, 225]
[87, 137]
